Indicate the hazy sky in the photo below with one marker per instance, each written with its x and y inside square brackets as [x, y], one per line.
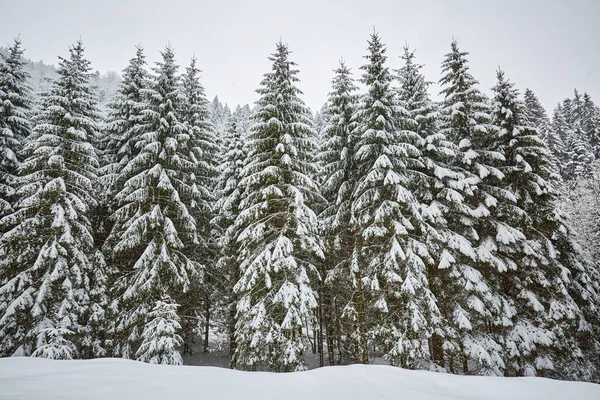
[546, 45]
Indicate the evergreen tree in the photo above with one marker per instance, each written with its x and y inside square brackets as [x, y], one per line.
[54, 277]
[389, 274]
[15, 126]
[576, 109]
[227, 206]
[199, 149]
[536, 113]
[155, 233]
[159, 338]
[590, 123]
[472, 304]
[336, 160]
[542, 329]
[219, 115]
[278, 244]
[438, 187]
[124, 118]
[576, 155]
[555, 139]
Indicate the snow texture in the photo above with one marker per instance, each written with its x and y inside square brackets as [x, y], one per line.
[30, 378]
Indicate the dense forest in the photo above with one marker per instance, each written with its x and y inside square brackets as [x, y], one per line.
[458, 235]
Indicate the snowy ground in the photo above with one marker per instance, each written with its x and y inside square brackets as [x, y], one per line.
[24, 378]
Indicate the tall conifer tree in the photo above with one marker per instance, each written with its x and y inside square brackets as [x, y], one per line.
[155, 233]
[55, 283]
[15, 126]
[336, 160]
[278, 227]
[472, 302]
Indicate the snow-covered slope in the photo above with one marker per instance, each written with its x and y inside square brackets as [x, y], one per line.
[107, 379]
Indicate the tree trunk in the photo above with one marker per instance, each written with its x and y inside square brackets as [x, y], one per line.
[363, 345]
[207, 326]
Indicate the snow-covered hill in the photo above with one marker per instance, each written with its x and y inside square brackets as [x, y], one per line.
[40, 379]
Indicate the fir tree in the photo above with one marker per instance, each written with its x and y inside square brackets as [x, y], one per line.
[54, 277]
[536, 113]
[439, 189]
[15, 126]
[590, 123]
[389, 274]
[155, 233]
[336, 161]
[125, 116]
[555, 139]
[199, 149]
[542, 327]
[159, 338]
[227, 206]
[472, 304]
[278, 227]
[576, 153]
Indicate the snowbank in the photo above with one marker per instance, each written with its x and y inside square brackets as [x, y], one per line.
[107, 379]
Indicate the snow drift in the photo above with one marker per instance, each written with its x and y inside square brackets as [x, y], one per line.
[34, 378]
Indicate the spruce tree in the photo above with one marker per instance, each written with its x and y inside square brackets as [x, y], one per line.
[159, 338]
[472, 303]
[15, 126]
[549, 281]
[155, 233]
[125, 116]
[199, 149]
[590, 123]
[536, 113]
[278, 243]
[54, 277]
[336, 161]
[439, 188]
[123, 120]
[555, 139]
[577, 154]
[389, 273]
[227, 207]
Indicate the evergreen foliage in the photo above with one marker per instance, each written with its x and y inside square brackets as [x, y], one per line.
[53, 278]
[155, 233]
[15, 126]
[278, 244]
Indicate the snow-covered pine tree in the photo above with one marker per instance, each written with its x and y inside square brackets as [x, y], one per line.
[471, 301]
[543, 331]
[576, 108]
[337, 178]
[577, 154]
[319, 123]
[439, 187]
[198, 167]
[555, 138]
[536, 113]
[219, 115]
[590, 123]
[15, 126]
[227, 208]
[123, 121]
[54, 283]
[154, 232]
[278, 227]
[389, 274]
[121, 134]
[160, 339]
[537, 117]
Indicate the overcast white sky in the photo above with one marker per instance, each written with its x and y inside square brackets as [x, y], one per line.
[547, 45]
